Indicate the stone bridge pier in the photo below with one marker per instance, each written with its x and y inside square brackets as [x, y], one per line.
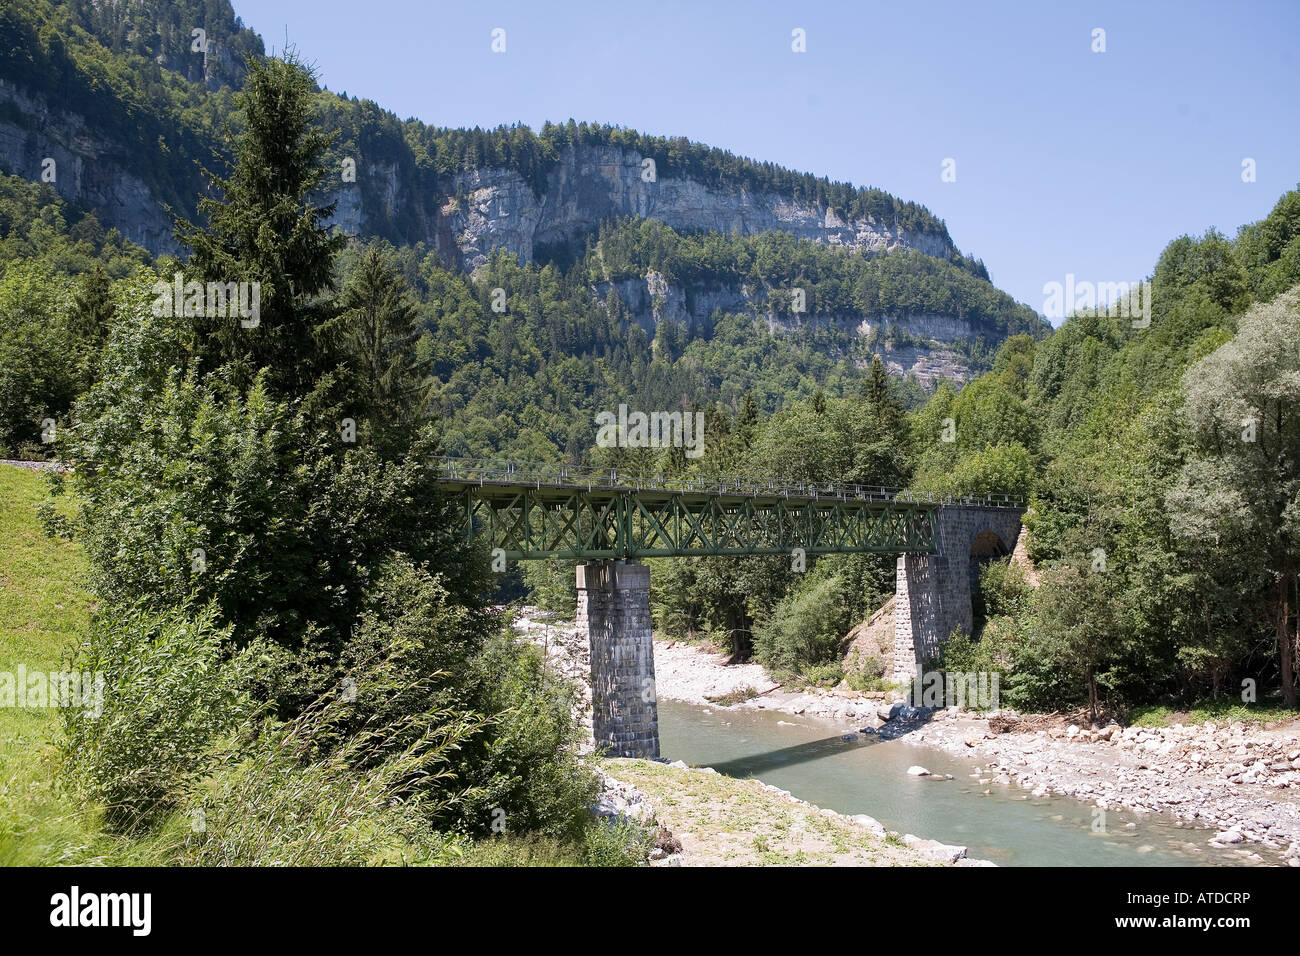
[934, 591]
[614, 610]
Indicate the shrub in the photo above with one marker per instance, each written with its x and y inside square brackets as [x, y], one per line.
[416, 649]
[288, 804]
[167, 699]
[188, 488]
[805, 629]
[619, 843]
[865, 673]
[824, 675]
[1004, 588]
[525, 763]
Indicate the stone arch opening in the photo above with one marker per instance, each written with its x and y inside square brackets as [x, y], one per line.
[986, 546]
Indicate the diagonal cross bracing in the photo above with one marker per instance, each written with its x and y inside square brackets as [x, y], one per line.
[543, 511]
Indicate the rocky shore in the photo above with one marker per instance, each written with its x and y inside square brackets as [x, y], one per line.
[1239, 781]
[680, 805]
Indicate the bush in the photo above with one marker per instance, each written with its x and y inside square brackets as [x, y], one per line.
[525, 763]
[804, 630]
[1004, 588]
[808, 626]
[38, 357]
[824, 675]
[167, 699]
[618, 843]
[188, 488]
[865, 674]
[416, 649]
[288, 804]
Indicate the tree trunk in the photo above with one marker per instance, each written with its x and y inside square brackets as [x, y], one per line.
[1285, 644]
[1092, 696]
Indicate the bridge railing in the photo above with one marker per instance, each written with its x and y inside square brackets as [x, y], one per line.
[483, 471]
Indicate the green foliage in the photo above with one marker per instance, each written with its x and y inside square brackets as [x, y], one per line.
[1270, 249]
[551, 585]
[836, 282]
[379, 331]
[167, 698]
[264, 226]
[1235, 506]
[807, 627]
[1142, 464]
[288, 804]
[56, 306]
[526, 766]
[38, 356]
[36, 225]
[615, 844]
[417, 649]
[1004, 588]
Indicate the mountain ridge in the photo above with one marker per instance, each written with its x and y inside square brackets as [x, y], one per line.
[125, 107]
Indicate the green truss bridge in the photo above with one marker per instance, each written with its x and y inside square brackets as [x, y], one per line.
[533, 511]
[608, 520]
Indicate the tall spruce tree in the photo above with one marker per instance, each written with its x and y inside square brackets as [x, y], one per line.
[264, 227]
[379, 329]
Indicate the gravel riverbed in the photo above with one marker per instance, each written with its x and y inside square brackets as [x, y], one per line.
[1240, 780]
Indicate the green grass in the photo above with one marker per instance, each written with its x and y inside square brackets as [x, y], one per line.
[724, 820]
[44, 606]
[1222, 710]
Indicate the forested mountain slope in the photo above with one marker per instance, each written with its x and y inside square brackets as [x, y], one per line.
[116, 105]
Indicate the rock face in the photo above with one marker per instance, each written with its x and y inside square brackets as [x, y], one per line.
[591, 184]
[87, 168]
[466, 216]
[653, 299]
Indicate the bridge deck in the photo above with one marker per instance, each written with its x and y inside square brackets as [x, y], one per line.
[530, 512]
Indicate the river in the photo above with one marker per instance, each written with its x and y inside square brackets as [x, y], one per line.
[1007, 826]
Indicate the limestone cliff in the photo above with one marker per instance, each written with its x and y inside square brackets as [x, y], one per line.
[496, 208]
[88, 168]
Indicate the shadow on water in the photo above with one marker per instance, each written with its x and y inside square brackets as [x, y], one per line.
[868, 773]
[754, 765]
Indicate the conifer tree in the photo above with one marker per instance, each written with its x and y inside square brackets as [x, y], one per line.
[380, 328]
[263, 226]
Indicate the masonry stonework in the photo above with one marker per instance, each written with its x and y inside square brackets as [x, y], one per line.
[934, 590]
[614, 610]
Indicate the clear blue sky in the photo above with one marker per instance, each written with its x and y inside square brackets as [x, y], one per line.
[1067, 161]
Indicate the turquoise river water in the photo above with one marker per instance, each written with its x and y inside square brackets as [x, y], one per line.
[1007, 826]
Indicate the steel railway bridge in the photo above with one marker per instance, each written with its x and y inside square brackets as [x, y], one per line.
[532, 511]
[609, 519]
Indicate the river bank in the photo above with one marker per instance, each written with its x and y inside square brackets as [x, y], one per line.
[1239, 781]
[704, 818]
[717, 820]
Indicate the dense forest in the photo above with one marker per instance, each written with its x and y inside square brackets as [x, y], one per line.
[1159, 463]
[284, 609]
[525, 381]
[294, 638]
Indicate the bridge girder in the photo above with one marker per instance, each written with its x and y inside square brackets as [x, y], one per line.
[537, 522]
